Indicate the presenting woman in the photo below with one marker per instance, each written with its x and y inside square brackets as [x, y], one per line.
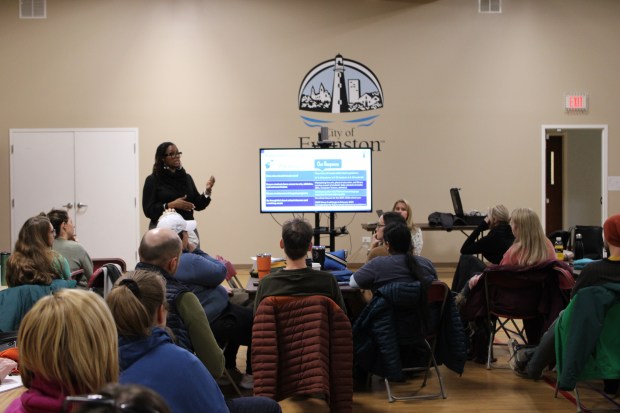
[169, 186]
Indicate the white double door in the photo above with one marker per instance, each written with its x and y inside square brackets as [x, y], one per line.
[92, 173]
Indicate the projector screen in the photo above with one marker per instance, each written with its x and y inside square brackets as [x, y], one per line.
[316, 180]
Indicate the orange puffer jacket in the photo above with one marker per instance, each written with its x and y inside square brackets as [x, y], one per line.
[303, 346]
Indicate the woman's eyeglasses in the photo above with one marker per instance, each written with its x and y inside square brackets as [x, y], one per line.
[72, 404]
[174, 154]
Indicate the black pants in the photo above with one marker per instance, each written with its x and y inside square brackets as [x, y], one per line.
[466, 268]
[233, 329]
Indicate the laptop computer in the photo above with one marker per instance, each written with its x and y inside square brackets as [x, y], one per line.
[458, 209]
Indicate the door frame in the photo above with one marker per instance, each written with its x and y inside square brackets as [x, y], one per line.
[604, 164]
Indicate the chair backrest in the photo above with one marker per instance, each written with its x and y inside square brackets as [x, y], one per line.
[303, 345]
[514, 294]
[103, 278]
[98, 262]
[592, 237]
[437, 296]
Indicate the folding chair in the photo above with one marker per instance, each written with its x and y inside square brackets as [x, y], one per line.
[231, 273]
[437, 294]
[512, 295]
[103, 278]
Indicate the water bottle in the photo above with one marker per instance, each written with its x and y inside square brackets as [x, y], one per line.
[4, 257]
[559, 249]
[578, 247]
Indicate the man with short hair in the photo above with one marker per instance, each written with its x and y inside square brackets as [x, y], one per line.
[231, 324]
[160, 251]
[296, 278]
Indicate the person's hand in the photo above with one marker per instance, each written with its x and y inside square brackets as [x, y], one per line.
[210, 183]
[182, 204]
[191, 247]
[375, 242]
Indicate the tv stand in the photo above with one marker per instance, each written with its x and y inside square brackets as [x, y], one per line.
[331, 230]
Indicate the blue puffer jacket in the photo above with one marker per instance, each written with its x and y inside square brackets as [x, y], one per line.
[391, 322]
[388, 321]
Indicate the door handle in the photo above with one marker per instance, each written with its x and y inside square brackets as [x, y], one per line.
[68, 205]
[81, 205]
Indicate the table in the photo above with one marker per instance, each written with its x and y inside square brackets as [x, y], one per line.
[7, 397]
[372, 226]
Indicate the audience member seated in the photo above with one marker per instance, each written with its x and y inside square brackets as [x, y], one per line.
[231, 324]
[33, 271]
[400, 265]
[296, 278]
[531, 361]
[398, 312]
[530, 247]
[149, 357]
[377, 246]
[33, 261]
[491, 246]
[66, 243]
[115, 398]
[403, 207]
[67, 346]
[160, 251]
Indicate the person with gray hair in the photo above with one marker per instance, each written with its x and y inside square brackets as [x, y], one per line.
[160, 251]
[491, 246]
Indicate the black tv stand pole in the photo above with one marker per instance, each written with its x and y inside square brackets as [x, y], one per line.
[331, 230]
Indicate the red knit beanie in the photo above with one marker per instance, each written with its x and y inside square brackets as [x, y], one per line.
[611, 230]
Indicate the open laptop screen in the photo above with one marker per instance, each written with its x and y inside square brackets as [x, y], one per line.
[456, 202]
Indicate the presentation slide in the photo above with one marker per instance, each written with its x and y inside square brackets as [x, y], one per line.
[316, 180]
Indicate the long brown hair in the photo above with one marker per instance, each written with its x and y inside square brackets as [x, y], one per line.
[32, 259]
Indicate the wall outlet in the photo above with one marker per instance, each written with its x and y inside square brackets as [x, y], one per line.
[365, 240]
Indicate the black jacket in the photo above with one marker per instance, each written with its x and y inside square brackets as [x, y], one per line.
[493, 245]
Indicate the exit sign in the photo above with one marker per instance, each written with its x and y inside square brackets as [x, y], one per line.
[576, 102]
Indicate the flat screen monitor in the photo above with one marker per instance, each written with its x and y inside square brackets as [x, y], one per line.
[315, 180]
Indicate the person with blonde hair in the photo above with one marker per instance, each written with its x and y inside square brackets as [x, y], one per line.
[67, 346]
[149, 357]
[531, 245]
[491, 246]
[403, 207]
[33, 261]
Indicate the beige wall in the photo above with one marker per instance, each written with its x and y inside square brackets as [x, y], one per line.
[465, 94]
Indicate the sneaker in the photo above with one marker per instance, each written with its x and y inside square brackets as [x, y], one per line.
[247, 382]
[514, 362]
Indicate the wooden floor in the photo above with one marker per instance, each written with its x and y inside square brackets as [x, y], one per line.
[477, 390]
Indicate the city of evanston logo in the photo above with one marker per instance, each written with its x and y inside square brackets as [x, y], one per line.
[343, 95]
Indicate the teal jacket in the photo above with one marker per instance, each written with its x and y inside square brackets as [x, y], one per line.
[587, 345]
[16, 301]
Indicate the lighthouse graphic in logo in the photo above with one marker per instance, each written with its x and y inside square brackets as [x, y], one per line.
[354, 88]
